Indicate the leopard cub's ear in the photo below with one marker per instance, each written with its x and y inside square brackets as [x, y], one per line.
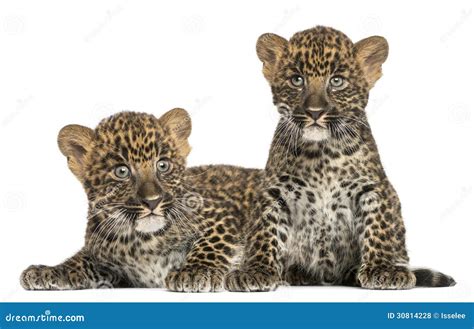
[371, 53]
[75, 142]
[270, 48]
[177, 123]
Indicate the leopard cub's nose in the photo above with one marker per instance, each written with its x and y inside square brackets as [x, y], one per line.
[151, 203]
[315, 114]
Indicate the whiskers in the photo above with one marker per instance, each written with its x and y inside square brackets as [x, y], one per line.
[183, 218]
[116, 219]
[346, 130]
[287, 137]
[110, 227]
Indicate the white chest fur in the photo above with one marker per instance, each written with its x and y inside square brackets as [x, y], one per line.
[323, 233]
[150, 271]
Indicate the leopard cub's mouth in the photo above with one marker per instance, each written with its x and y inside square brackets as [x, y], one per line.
[150, 223]
[316, 133]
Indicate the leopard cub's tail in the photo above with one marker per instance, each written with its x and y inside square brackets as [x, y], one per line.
[429, 278]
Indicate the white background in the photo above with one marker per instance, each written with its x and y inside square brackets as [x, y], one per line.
[64, 62]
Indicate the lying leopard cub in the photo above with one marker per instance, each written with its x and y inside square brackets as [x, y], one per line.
[332, 216]
[151, 221]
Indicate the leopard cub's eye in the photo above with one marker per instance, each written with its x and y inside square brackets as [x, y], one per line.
[337, 82]
[163, 166]
[297, 81]
[122, 172]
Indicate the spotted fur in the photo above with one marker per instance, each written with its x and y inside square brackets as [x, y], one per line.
[179, 228]
[330, 214]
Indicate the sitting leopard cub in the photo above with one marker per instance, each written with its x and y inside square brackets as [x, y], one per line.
[151, 222]
[333, 216]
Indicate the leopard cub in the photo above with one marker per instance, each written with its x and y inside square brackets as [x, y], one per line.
[330, 216]
[151, 221]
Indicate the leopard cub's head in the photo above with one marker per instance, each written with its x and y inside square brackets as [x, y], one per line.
[321, 80]
[130, 166]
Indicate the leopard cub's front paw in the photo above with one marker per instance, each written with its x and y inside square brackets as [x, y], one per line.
[191, 279]
[386, 277]
[40, 277]
[251, 280]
